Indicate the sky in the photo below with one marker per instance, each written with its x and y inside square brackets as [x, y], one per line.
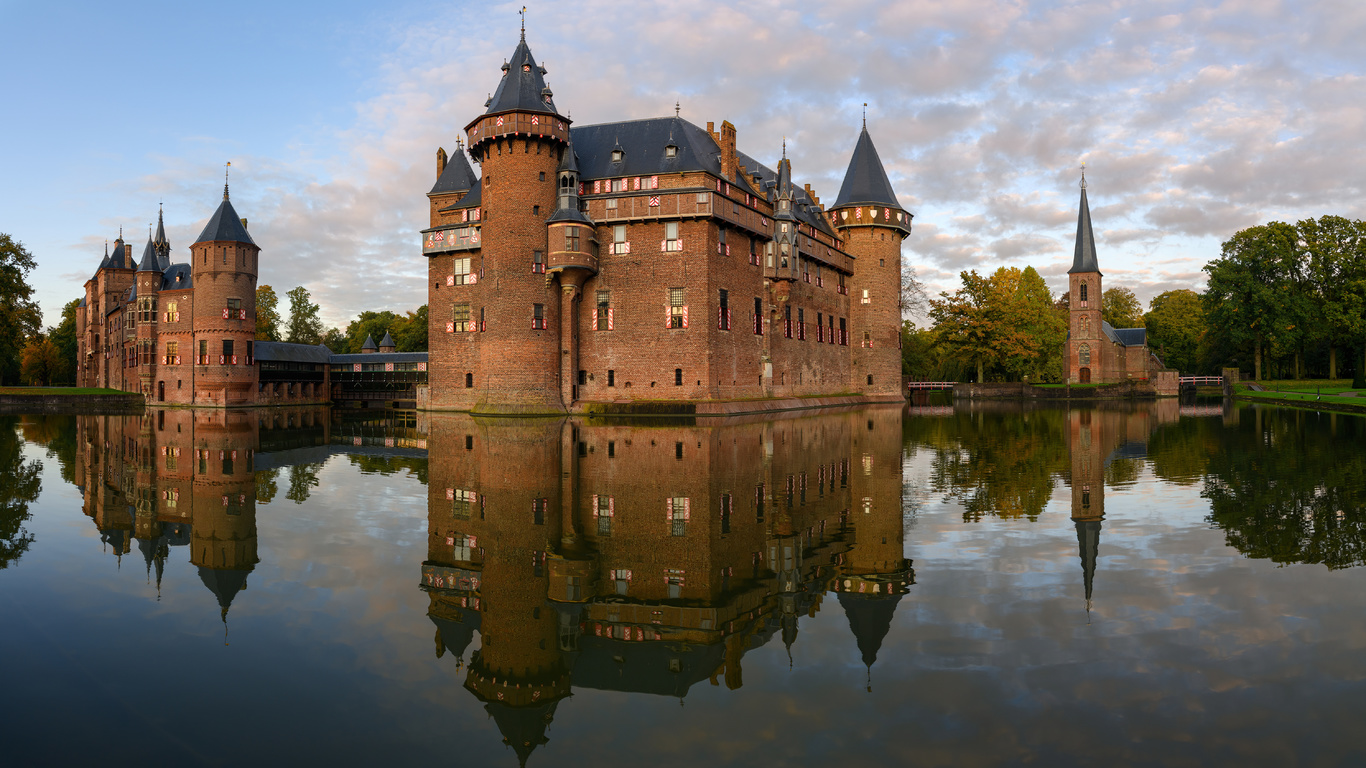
[1193, 120]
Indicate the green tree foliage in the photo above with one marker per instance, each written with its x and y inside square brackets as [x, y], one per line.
[1176, 325]
[19, 314]
[267, 485]
[1335, 249]
[267, 314]
[409, 331]
[336, 341]
[20, 483]
[40, 363]
[64, 337]
[302, 479]
[305, 327]
[1121, 308]
[1249, 296]
[1006, 325]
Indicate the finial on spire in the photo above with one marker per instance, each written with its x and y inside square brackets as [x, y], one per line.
[1083, 175]
[106, 247]
[676, 107]
[522, 13]
[865, 115]
[784, 146]
[225, 179]
[120, 231]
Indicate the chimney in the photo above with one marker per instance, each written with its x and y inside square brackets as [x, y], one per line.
[128, 255]
[440, 161]
[728, 162]
[244, 223]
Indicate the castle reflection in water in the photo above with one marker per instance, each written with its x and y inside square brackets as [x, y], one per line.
[643, 557]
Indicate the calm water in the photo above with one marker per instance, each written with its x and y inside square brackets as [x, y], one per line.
[936, 585]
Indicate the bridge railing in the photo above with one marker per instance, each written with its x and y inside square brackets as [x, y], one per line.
[929, 384]
[1202, 381]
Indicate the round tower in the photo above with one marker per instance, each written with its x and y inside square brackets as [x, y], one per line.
[224, 269]
[514, 355]
[872, 224]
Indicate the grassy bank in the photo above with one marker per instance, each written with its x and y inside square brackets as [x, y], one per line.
[1321, 394]
[60, 391]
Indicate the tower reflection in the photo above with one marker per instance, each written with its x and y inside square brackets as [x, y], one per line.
[648, 557]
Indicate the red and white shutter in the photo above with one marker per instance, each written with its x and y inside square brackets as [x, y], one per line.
[609, 318]
[685, 316]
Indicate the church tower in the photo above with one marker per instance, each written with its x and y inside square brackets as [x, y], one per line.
[1084, 352]
[872, 223]
[513, 358]
[224, 269]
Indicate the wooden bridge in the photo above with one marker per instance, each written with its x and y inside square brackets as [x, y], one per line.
[1201, 381]
[915, 385]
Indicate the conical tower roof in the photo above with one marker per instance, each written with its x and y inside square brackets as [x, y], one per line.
[1084, 257]
[149, 262]
[161, 244]
[224, 583]
[523, 728]
[458, 175]
[104, 263]
[225, 225]
[866, 181]
[387, 341]
[369, 342]
[870, 618]
[1088, 544]
[522, 88]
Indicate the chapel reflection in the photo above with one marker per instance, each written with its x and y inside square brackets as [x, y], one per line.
[165, 479]
[648, 558]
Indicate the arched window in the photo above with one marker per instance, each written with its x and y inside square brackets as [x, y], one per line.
[1084, 355]
[1084, 327]
[1082, 290]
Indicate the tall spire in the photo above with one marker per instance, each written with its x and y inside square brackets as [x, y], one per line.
[523, 85]
[1084, 257]
[866, 180]
[225, 179]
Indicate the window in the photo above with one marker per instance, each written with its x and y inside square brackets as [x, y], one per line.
[753, 252]
[538, 262]
[203, 351]
[227, 353]
[806, 271]
[542, 175]
[538, 510]
[618, 155]
[727, 506]
[1081, 293]
[538, 317]
[721, 246]
[604, 510]
[787, 321]
[469, 381]
[671, 240]
[172, 353]
[618, 185]
[844, 334]
[611, 206]
[671, 151]
[830, 336]
[820, 279]
[759, 317]
[536, 209]
[234, 306]
[1084, 354]
[619, 244]
[1084, 325]
[611, 378]
[723, 314]
[678, 382]
[462, 503]
[842, 289]
[571, 238]
[602, 315]
[867, 343]
[583, 379]
[461, 269]
[251, 352]
[801, 324]
[460, 317]
[820, 327]
[865, 295]
[678, 313]
[679, 508]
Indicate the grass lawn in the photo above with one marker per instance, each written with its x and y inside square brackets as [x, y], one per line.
[61, 391]
[1310, 386]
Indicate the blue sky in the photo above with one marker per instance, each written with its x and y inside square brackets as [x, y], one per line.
[1194, 119]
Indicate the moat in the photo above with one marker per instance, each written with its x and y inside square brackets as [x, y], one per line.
[992, 583]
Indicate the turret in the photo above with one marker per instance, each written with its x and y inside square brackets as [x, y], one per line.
[223, 269]
[387, 344]
[148, 281]
[872, 223]
[786, 225]
[1085, 334]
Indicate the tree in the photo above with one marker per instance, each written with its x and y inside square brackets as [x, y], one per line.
[335, 340]
[267, 314]
[20, 483]
[1121, 309]
[40, 362]
[913, 301]
[305, 327]
[64, 338]
[967, 322]
[1250, 300]
[1006, 323]
[19, 314]
[1176, 323]
[1335, 252]
[413, 336]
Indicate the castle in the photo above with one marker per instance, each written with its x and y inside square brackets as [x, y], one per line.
[650, 260]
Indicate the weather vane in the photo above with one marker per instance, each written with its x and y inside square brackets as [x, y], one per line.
[865, 114]
[1083, 175]
[522, 13]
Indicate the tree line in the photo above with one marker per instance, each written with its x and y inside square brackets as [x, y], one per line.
[1283, 301]
[305, 325]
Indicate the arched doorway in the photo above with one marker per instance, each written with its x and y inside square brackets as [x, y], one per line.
[1084, 376]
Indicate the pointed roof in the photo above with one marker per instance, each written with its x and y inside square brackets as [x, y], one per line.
[523, 85]
[150, 262]
[1088, 543]
[225, 225]
[224, 583]
[162, 244]
[523, 728]
[457, 177]
[105, 263]
[387, 341]
[866, 181]
[1084, 257]
[870, 618]
[369, 342]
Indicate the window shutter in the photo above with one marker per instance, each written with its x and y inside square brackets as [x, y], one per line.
[609, 318]
[685, 316]
[668, 316]
[595, 321]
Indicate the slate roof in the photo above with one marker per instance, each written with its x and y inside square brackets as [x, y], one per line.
[458, 633]
[472, 199]
[387, 341]
[369, 342]
[457, 177]
[1084, 257]
[82, 304]
[177, 277]
[225, 225]
[284, 351]
[522, 87]
[150, 262]
[803, 206]
[379, 357]
[1088, 544]
[1129, 337]
[224, 583]
[164, 251]
[865, 181]
[870, 618]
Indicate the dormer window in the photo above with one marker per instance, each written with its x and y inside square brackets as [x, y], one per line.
[671, 151]
[618, 155]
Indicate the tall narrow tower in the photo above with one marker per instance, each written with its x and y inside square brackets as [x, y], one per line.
[148, 280]
[514, 356]
[224, 268]
[872, 223]
[1084, 354]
